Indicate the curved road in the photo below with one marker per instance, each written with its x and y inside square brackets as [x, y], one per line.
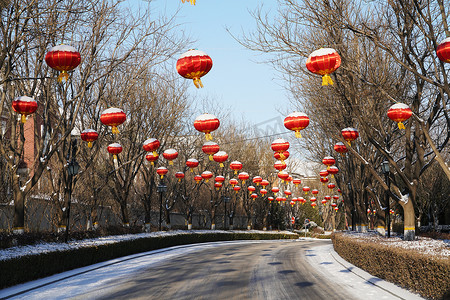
[269, 270]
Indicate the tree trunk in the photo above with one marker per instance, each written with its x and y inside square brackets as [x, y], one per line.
[19, 210]
[124, 213]
[409, 227]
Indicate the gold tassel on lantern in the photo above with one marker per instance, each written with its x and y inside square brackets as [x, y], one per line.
[198, 83]
[23, 118]
[64, 76]
[115, 130]
[326, 80]
[298, 134]
[89, 144]
[401, 125]
[208, 136]
[221, 165]
[170, 162]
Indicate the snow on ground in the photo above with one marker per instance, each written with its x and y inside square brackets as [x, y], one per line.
[14, 252]
[439, 248]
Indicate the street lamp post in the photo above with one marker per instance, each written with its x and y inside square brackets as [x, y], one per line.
[353, 205]
[72, 169]
[161, 188]
[386, 170]
[226, 199]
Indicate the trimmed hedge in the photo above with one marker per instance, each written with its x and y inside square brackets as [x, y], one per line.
[427, 275]
[31, 267]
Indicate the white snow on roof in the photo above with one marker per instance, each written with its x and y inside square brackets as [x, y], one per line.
[209, 144]
[88, 130]
[112, 110]
[115, 145]
[297, 114]
[192, 160]
[279, 141]
[193, 52]
[399, 106]
[148, 141]
[170, 151]
[25, 99]
[447, 40]
[322, 51]
[220, 153]
[205, 117]
[349, 129]
[63, 47]
[328, 157]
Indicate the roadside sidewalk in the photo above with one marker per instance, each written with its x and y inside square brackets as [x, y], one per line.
[355, 280]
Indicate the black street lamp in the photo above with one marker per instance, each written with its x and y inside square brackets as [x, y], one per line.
[386, 171]
[72, 170]
[226, 199]
[161, 189]
[353, 205]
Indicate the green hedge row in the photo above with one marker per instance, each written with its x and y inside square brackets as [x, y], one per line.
[26, 268]
[429, 276]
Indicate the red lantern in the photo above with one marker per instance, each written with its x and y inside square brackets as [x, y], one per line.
[281, 155]
[302, 200]
[236, 188]
[218, 185]
[399, 113]
[336, 197]
[170, 155]
[233, 182]
[324, 62]
[333, 204]
[296, 121]
[280, 165]
[192, 163]
[257, 180]
[339, 191]
[313, 204]
[151, 145]
[89, 135]
[235, 166]
[220, 157]
[340, 148]
[264, 183]
[113, 117]
[198, 178]
[114, 149]
[263, 192]
[206, 123]
[243, 176]
[336, 208]
[315, 192]
[324, 201]
[25, 106]
[287, 193]
[280, 145]
[210, 148]
[331, 186]
[254, 196]
[349, 134]
[179, 176]
[323, 173]
[283, 175]
[333, 170]
[328, 161]
[270, 199]
[313, 199]
[219, 179]
[306, 189]
[275, 190]
[194, 64]
[292, 203]
[297, 181]
[279, 199]
[63, 58]
[162, 171]
[251, 188]
[207, 175]
[152, 157]
[443, 50]
[328, 198]
[324, 180]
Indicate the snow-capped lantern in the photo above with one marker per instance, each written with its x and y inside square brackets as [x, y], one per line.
[236, 188]
[324, 62]
[206, 175]
[275, 189]
[289, 179]
[263, 192]
[113, 117]
[328, 161]
[301, 200]
[206, 123]
[179, 176]
[323, 173]
[292, 203]
[333, 170]
[336, 208]
[339, 191]
[333, 205]
[218, 185]
[235, 166]
[281, 155]
[152, 157]
[170, 155]
[287, 193]
[25, 106]
[280, 145]
[315, 192]
[328, 198]
[198, 178]
[399, 113]
[220, 157]
[210, 148]
[331, 186]
[313, 199]
[63, 58]
[296, 181]
[336, 197]
[89, 136]
[114, 149]
[233, 182]
[340, 148]
[443, 50]
[257, 180]
[313, 204]
[280, 165]
[251, 189]
[283, 175]
[192, 163]
[151, 145]
[254, 196]
[324, 202]
[306, 189]
[243, 176]
[324, 180]
[368, 211]
[279, 199]
[296, 121]
[194, 64]
[349, 134]
[270, 199]
[264, 183]
[219, 178]
[161, 171]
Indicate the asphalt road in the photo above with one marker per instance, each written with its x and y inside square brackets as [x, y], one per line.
[269, 270]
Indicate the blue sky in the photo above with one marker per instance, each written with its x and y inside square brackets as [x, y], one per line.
[236, 81]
